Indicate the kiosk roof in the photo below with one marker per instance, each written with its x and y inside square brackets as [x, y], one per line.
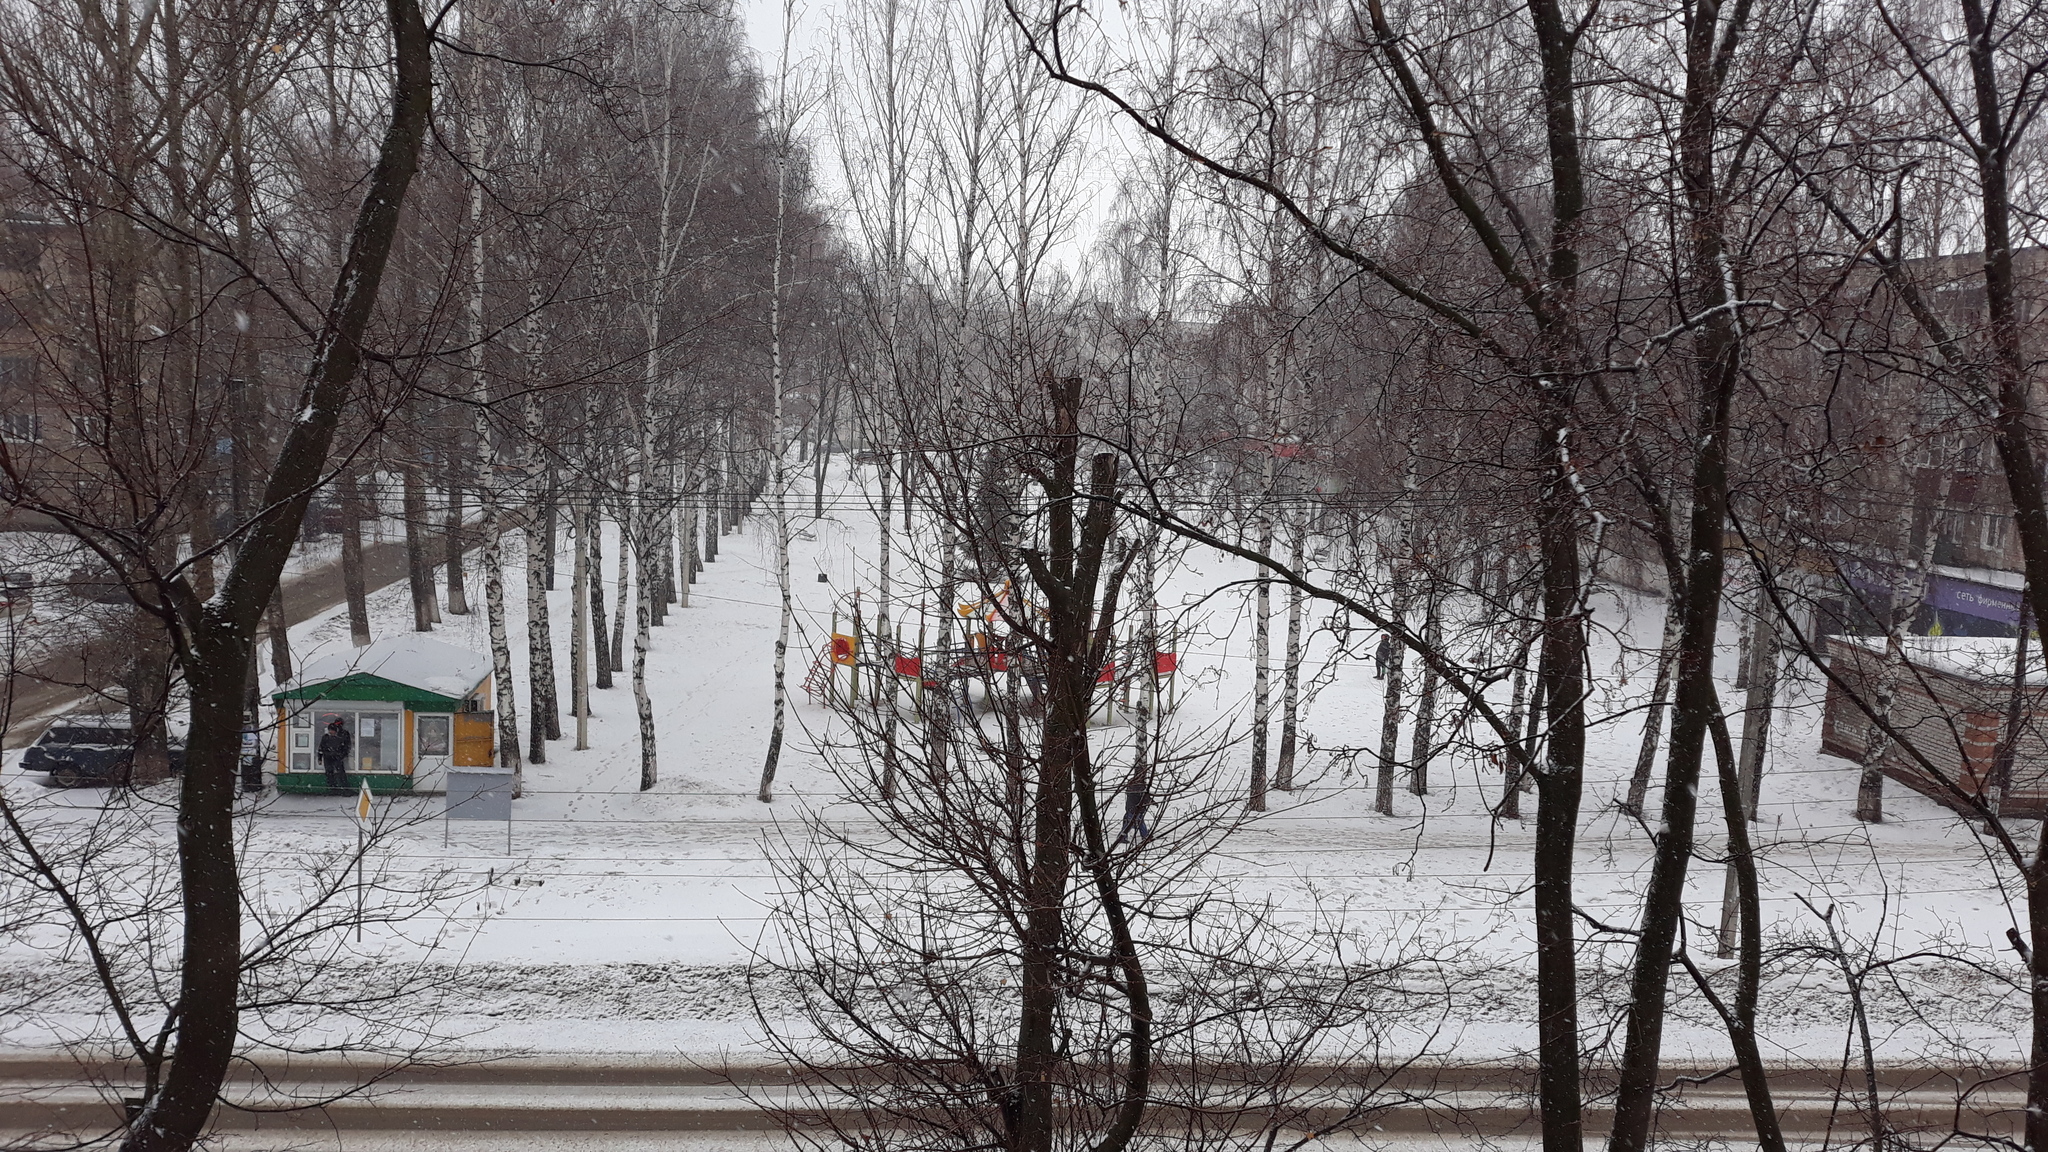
[413, 661]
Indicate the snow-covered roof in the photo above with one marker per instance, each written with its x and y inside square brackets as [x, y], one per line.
[1970, 657]
[411, 660]
[1994, 577]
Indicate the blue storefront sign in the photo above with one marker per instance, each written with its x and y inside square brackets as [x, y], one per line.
[1878, 583]
[1984, 601]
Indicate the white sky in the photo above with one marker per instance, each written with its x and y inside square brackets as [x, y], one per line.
[811, 45]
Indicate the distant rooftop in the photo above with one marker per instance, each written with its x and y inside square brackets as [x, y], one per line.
[1984, 658]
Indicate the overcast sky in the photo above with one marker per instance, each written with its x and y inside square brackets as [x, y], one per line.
[811, 45]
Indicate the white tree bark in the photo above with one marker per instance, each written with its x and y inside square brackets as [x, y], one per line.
[1262, 643]
[624, 591]
[641, 703]
[678, 529]
[1423, 747]
[544, 711]
[579, 627]
[777, 454]
[507, 712]
[646, 562]
[1290, 677]
[540, 647]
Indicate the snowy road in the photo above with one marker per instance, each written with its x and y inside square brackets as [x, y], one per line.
[663, 1105]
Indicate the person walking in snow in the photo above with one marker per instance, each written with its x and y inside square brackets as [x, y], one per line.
[1382, 656]
[335, 745]
[1137, 802]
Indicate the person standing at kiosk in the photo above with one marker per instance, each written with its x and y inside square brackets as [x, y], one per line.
[335, 745]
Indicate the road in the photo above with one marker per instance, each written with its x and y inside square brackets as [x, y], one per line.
[661, 1105]
[52, 684]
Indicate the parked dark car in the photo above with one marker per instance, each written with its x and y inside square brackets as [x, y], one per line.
[17, 590]
[89, 749]
[97, 584]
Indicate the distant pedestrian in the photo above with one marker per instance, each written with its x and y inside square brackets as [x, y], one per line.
[1137, 803]
[335, 745]
[1382, 656]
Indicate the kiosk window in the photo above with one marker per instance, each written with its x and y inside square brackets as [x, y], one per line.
[432, 733]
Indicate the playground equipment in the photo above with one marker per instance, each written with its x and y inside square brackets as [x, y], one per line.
[858, 668]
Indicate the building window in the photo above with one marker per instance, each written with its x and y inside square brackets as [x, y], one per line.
[21, 427]
[86, 429]
[1994, 532]
[1969, 454]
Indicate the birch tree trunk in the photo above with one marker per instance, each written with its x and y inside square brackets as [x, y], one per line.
[821, 456]
[453, 539]
[352, 561]
[678, 533]
[1423, 746]
[642, 594]
[550, 515]
[692, 513]
[1510, 807]
[1262, 643]
[419, 576]
[715, 523]
[1653, 717]
[506, 718]
[622, 592]
[667, 531]
[1390, 714]
[600, 636]
[1147, 713]
[280, 641]
[1290, 681]
[544, 720]
[646, 563]
[579, 628]
[1761, 699]
[777, 453]
[1756, 727]
[885, 473]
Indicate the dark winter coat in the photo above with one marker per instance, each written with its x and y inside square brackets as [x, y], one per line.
[1137, 798]
[335, 744]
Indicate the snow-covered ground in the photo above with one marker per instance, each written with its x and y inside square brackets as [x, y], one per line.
[621, 921]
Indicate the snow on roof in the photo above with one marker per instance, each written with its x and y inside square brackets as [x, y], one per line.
[411, 660]
[1970, 657]
[1994, 577]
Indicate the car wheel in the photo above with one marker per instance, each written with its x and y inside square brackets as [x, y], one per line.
[69, 775]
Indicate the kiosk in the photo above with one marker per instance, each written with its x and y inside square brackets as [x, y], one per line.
[413, 707]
